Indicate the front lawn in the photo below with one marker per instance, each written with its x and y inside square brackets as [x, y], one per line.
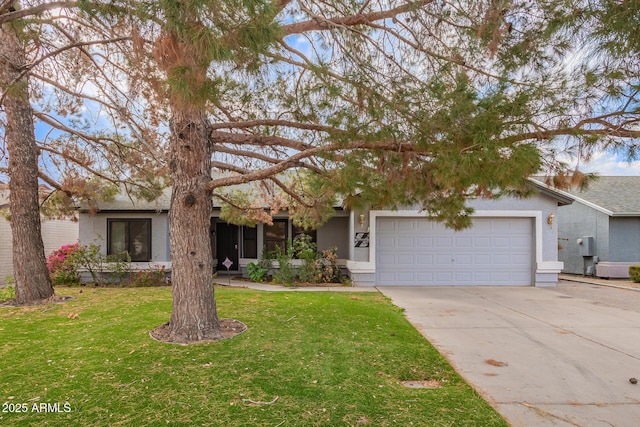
[306, 359]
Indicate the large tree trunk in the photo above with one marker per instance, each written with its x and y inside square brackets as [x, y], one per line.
[32, 279]
[194, 316]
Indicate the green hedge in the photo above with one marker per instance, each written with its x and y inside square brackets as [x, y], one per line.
[634, 273]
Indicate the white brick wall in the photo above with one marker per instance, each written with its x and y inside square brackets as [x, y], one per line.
[55, 233]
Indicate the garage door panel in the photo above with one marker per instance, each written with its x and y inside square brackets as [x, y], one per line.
[406, 242]
[464, 277]
[406, 260]
[424, 242]
[482, 242]
[520, 260]
[406, 226]
[463, 259]
[481, 276]
[501, 242]
[464, 242]
[444, 276]
[521, 242]
[424, 259]
[501, 259]
[444, 242]
[416, 251]
[443, 259]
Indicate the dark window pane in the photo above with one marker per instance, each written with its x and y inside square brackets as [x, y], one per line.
[117, 238]
[297, 231]
[249, 242]
[129, 236]
[276, 235]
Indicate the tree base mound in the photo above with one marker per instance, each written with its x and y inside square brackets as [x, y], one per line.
[230, 328]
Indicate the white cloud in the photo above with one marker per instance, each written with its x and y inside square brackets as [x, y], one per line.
[610, 164]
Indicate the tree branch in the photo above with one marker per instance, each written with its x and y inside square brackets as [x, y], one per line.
[36, 10]
[319, 23]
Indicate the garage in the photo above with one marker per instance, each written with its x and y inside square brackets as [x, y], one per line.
[414, 251]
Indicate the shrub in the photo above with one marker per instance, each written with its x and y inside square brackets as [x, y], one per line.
[286, 273]
[256, 272]
[62, 265]
[327, 269]
[147, 278]
[634, 273]
[90, 259]
[7, 293]
[307, 251]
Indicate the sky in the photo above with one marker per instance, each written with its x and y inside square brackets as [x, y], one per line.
[610, 164]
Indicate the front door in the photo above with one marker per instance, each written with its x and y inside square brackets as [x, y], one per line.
[226, 245]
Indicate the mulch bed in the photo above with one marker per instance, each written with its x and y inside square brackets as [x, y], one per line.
[230, 328]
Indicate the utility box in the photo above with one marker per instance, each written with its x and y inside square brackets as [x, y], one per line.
[588, 246]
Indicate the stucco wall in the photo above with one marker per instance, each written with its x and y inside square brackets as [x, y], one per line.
[93, 229]
[6, 263]
[577, 221]
[624, 240]
[335, 233]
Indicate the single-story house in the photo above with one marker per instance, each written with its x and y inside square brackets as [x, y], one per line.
[55, 233]
[599, 233]
[513, 241]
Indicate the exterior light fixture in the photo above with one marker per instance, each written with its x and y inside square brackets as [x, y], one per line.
[361, 220]
[550, 219]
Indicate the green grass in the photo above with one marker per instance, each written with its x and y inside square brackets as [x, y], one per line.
[330, 359]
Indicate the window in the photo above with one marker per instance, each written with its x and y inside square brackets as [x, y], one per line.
[129, 236]
[276, 235]
[249, 242]
[297, 231]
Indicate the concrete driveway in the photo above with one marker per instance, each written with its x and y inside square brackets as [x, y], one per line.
[541, 356]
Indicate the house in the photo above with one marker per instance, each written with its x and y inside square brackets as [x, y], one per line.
[55, 233]
[513, 241]
[599, 233]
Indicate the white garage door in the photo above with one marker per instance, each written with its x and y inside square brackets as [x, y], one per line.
[418, 252]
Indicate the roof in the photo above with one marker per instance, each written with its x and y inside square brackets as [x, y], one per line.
[126, 202]
[562, 198]
[613, 195]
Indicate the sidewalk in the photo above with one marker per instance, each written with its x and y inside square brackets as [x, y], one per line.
[234, 281]
[237, 282]
[613, 283]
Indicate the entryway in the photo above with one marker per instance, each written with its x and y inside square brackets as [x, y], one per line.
[224, 244]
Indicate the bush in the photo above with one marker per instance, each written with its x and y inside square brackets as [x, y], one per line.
[634, 273]
[286, 273]
[147, 278]
[62, 265]
[256, 272]
[307, 251]
[66, 262]
[7, 293]
[327, 269]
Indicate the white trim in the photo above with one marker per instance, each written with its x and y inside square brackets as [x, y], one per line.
[352, 234]
[549, 267]
[360, 267]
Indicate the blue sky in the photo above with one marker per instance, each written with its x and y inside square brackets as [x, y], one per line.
[607, 163]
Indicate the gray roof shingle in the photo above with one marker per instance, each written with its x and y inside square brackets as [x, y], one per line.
[619, 195]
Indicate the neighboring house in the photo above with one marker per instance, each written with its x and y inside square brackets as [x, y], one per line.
[55, 233]
[599, 233]
[512, 242]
